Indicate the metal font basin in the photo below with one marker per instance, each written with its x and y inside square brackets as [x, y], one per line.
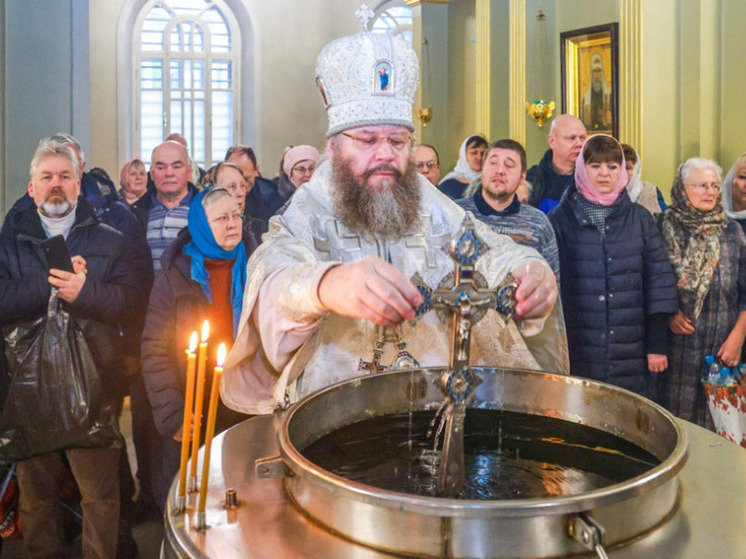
[419, 526]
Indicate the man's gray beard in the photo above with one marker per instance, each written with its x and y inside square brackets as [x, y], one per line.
[597, 85]
[391, 212]
[57, 210]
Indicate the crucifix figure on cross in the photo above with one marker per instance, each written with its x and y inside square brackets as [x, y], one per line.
[464, 295]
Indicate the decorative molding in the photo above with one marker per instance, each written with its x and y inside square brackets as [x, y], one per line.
[630, 73]
[517, 71]
[483, 75]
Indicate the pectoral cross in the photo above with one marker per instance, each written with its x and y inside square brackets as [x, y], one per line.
[464, 295]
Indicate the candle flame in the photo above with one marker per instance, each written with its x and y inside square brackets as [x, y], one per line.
[205, 331]
[193, 342]
[222, 351]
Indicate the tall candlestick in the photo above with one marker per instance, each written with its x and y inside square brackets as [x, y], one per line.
[186, 424]
[198, 398]
[212, 413]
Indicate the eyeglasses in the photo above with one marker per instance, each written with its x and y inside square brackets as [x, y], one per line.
[225, 220]
[702, 186]
[423, 164]
[304, 170]
[397, 143]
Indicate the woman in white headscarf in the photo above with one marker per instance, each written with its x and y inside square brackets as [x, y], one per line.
[467, 169]
[734, 192]
[641, 192]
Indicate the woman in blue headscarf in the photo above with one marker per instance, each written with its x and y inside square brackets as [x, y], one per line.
[202, 278]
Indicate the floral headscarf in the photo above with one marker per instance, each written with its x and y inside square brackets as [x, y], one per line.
[692, 238]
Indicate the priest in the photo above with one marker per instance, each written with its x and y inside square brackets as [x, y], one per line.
[331, 291]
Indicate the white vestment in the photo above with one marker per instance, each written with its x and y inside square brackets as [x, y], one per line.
[288, 345]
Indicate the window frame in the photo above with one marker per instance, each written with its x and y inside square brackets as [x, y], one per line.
[167, 55]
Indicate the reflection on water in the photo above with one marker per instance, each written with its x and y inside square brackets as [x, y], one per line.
[507, 455]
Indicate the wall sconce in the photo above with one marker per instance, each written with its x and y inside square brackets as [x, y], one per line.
[425, 114]
[540, 110]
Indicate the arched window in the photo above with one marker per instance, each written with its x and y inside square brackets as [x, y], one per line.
[186, 54]
[393, 17]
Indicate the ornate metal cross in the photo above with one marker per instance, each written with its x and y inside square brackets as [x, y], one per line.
[465, 296]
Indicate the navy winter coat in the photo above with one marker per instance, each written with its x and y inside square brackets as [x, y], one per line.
[610, 289]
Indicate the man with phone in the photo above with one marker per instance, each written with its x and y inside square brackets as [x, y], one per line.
[104, 289]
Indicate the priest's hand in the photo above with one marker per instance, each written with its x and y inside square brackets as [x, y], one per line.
[371, 289]
[537, 290]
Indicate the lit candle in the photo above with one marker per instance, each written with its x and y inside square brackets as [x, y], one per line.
[212, 412]
[185, 426]
[198, 398]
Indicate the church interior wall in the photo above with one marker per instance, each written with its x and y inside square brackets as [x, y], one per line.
[430, 31]
[60, 72]
[461, 80]
[45, 78]
[499, 71]
[731, 113]
[536, 138]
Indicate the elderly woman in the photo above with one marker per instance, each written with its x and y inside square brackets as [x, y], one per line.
[133, 180]
[468, 167]
[708, 253]
[298, 165]
[203, 277]
[618, 288]
[230, 177]
[734, 191]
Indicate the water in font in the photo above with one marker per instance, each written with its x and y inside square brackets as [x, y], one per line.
[508, 455]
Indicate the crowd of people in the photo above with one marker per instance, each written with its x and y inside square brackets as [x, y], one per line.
[311, 277]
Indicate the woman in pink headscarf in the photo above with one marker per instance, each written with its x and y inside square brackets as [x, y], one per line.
[618, 288]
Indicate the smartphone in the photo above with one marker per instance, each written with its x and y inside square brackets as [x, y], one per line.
[56, 253]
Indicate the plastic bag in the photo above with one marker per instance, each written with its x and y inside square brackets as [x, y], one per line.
[56, 399]
[728, 409]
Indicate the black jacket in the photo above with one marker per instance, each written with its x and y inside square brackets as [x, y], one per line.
[263, 200]
[113, 294]
[547, 185]
[610, 290]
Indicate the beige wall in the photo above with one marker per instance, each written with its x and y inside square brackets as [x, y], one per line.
[691, 53]
[103, 63]
[733, 130]
[287, 106]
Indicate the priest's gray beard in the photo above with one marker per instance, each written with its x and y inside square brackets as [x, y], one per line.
[391, 212]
